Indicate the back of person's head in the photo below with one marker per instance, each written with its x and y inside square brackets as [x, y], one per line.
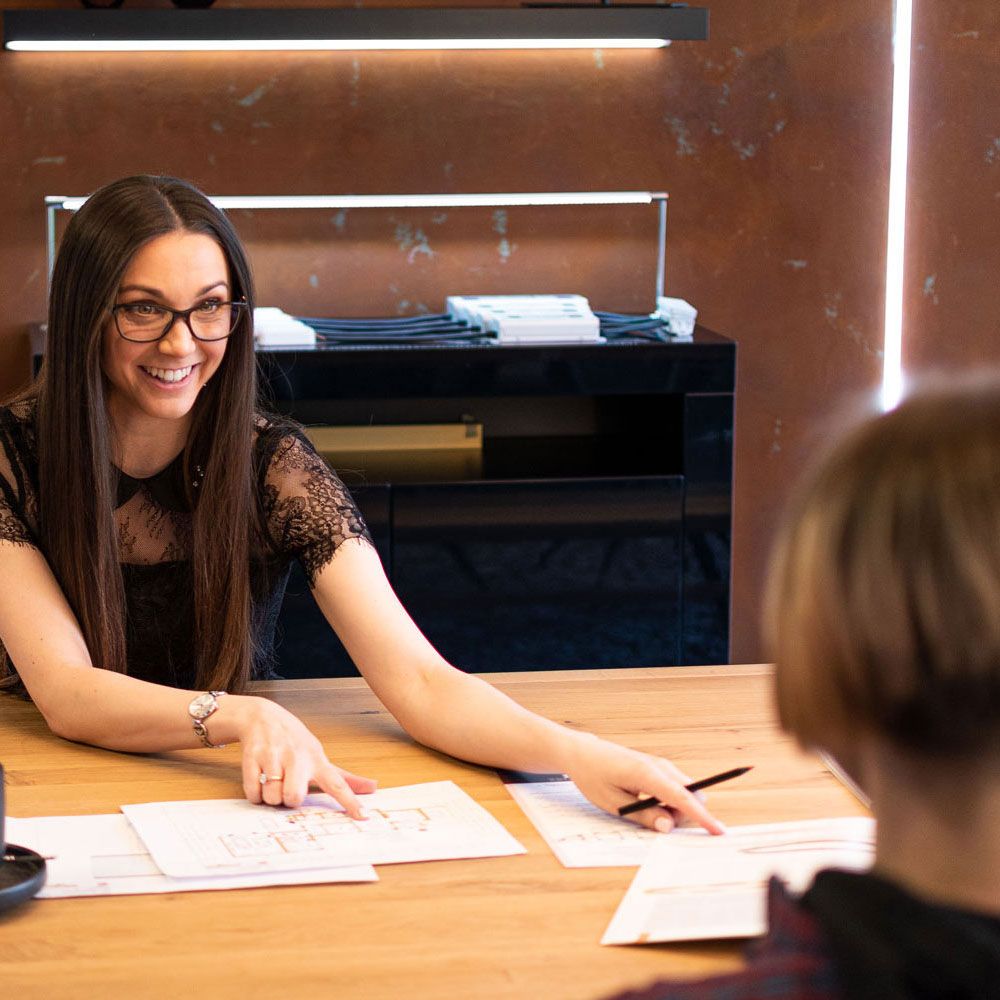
[883, 603]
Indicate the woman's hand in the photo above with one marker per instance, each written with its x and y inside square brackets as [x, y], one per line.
[278, 746]
[612, 776]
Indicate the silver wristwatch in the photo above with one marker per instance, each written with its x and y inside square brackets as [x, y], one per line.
[200, 709]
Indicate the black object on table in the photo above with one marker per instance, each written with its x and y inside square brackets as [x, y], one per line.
[22, 871]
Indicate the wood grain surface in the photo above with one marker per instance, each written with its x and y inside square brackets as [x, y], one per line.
[502, 927]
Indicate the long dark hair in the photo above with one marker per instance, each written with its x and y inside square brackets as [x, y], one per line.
[77, 483]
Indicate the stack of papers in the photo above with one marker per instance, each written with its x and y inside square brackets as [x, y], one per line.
[103, 856]
[694, 886]
[231, 844]
[690, 886]
[529, 319]
[273, 327]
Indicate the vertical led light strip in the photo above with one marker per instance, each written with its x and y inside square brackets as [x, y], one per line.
[892, 348]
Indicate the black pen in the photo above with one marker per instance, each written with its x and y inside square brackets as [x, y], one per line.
[695, 786]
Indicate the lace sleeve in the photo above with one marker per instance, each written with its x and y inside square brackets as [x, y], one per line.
[17, 500]
[308, 510]
[13, 527]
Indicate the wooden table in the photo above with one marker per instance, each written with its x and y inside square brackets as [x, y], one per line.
[501, 927]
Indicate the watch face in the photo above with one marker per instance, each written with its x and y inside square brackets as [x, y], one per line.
[202, 706]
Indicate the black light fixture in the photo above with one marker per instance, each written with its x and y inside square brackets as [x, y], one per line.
[580, 26]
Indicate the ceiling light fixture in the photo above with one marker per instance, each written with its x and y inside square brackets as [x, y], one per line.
[350, 28]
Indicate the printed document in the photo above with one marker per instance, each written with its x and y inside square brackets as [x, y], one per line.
[695, 886]
[580, 834]
[427, 822]
[102, 856]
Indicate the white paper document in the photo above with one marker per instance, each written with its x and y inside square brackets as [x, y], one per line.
[694, 886]
[580, 834]
[102, 856]
[427, 822]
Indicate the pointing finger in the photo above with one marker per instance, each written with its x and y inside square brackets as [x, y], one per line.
[690, 806]
[330, 780]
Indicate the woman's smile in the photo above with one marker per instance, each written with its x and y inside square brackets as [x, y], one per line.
[169, 377]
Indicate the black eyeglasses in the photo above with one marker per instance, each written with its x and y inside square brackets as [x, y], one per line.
[143, 322]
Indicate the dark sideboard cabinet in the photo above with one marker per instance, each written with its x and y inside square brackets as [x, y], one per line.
[592, 528]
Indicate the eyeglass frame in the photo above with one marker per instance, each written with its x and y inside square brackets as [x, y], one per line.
[176, 314]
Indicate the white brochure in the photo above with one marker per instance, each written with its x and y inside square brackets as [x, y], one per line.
[694, 886]
[426, 822]
[102, 856]
[580, 834]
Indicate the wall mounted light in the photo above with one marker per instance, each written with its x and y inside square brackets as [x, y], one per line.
[61, 203]
[892, 345]
[351, 28]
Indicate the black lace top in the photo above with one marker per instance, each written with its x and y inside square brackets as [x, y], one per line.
[307, 510]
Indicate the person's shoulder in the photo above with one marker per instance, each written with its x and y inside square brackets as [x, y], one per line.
[791, 962]
[18, 442]
[776, 983]
[18, 472]
[774, 977]
[280, 442]
[19, 412]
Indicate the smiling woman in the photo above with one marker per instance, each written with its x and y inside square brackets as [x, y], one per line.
[150, 511]
[159, 240]
[154, 351]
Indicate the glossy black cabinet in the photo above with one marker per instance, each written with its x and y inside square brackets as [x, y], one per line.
[596, 529]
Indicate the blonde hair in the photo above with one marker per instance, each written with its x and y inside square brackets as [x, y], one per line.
[882, 610]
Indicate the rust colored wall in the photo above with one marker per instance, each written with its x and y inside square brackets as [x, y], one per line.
[772, 139]
[951, 317]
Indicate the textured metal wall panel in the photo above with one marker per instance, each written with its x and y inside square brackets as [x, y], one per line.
[951, 317]
[772, 138]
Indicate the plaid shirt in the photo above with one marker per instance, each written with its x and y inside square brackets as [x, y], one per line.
[790, 961]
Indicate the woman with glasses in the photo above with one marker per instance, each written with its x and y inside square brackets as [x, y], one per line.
[149, 512]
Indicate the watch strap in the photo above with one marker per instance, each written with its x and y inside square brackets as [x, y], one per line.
[198, 725]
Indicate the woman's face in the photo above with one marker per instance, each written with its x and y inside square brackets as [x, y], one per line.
[161, 380]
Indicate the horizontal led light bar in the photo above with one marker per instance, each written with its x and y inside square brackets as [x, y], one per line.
[646, 26]
[410, 200]
[336, 45]
[61, 203]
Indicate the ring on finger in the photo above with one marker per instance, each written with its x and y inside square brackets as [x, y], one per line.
[264, 777]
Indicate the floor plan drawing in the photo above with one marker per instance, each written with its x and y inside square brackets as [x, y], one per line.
[426, 822]
[316, 828]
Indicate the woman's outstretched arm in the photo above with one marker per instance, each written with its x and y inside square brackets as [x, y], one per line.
[111, 710]
[464, 716]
